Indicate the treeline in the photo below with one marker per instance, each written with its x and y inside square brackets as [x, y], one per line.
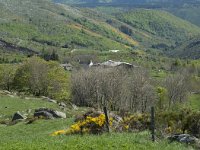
[117, 88]
[37, 77]
[132, 90]
[114, 88]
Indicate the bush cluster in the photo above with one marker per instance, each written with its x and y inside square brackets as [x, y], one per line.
[36, 76]
[183, 121]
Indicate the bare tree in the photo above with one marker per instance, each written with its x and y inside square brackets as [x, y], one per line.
[177, 87]
[138, 94]
[114, 88]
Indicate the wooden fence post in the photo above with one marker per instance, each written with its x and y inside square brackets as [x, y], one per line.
[153, 124]
[106, 117]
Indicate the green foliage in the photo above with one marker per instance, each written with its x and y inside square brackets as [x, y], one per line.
[162, 98]
[194, 101]
[188, 12]
[7, 74]
[59, 82]
[31, 77]
[49, 26]
[38, 77]
[179, 121]
[159, 23]
[189, 49]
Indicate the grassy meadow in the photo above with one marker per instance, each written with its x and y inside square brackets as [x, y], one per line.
[22, 136]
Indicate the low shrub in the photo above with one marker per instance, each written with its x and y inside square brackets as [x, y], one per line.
[183, 121]
[94, 125]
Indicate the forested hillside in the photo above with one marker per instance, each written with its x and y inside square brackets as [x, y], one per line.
[189, 49]
[43, 27]
[160, 24]
[185, 9]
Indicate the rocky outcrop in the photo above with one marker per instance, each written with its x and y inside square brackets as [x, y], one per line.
[183, 138]
[43, 114]
[18, 116]
[49, 113]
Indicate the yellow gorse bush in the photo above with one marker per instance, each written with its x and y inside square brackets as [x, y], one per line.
[89, 125]
[136, 122]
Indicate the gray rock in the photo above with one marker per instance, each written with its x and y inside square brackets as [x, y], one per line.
[44, 114]
[58, 114]
[116, 117]
[6, 92]
[49, 113]
[62, 104]
[74, 107]
[116, 121]
[12, 96]
[18, 116]
[52, 101]
[44, 97]
[183, 138]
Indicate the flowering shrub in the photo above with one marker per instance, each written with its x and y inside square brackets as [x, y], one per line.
[135, 122]
[184, 121]
[94, 125]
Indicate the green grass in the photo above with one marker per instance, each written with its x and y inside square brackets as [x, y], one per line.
[36, 136]
[195, 101]
[11, 105]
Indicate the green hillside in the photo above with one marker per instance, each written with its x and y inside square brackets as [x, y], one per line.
[160, 24]
[189, 13]
[185, 9]
[43, 25]
[189, 49]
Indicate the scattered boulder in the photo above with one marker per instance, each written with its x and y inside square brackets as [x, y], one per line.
[116, 121]
[44, 98]
[52, 101]
[49, 113]
[6, 92]
[74, 107]
[59, 114]
[183, 138]
[116, 117]
[44, 114]
[62, 104]
[49, 99]
[18, 116]
[12, 96]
